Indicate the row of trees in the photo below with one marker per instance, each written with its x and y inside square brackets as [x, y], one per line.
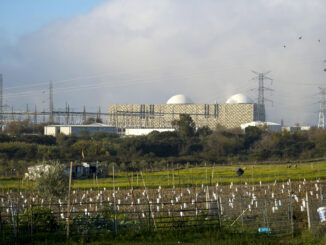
[187, 144]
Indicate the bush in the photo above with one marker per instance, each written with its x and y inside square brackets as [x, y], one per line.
[53, 183]
[83, 223]
[41, 218]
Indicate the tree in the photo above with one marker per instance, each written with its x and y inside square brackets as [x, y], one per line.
[185, 126]
[53, 183]
[90, 120]
[19, 127]
[252, 135]
[204, 131]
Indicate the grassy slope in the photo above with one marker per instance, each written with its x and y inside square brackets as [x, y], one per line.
[198, 176]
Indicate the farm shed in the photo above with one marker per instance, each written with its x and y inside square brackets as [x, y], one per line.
[83, 170]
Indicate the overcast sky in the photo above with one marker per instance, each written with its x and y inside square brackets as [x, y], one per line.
[142, 51]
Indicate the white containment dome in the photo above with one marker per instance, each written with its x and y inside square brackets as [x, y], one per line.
[239, 99]
[179, 99]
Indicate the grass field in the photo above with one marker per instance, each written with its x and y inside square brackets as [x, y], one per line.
[195, 176]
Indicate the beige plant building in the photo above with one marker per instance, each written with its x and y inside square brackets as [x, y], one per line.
[238, 109]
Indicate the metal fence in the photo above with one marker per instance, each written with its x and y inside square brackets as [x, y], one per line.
[87, 218]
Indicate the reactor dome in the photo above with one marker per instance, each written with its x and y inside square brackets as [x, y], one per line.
[179, 99]
[239, 99]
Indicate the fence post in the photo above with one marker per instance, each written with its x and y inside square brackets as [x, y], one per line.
[207, 198]
[68, 206]
[149, 217]
[265, 214]
[115, 205]
[291, 214]
[321, 194]
[13, 218]
[219, 212]
[308, 212]
[241, 210]
[31, 207]
[1, 226]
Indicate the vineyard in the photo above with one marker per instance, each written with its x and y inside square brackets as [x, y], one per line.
[265, 199]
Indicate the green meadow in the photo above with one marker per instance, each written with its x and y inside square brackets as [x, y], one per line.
[192, 176]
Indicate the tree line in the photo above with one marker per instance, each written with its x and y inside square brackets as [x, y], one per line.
[187, 145]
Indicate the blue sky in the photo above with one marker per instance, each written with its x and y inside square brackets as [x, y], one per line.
[20, 17]
[145, 51]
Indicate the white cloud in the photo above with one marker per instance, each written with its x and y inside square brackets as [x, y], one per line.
[149, 50]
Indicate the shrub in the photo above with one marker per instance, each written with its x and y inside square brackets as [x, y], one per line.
[40, 218]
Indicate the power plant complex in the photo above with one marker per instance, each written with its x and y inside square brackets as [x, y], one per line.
[237, 110]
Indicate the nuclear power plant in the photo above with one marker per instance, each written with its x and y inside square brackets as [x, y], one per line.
[237, 110]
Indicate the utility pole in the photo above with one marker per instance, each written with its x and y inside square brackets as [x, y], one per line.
[51, 102]
[260, 114]
[321, 119]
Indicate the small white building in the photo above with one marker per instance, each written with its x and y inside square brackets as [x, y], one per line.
[295, 128]
[275, 127]
[54, 130]
[79, 170]
[145, 131]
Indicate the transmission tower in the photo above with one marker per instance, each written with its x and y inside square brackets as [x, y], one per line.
[260, 110]
[84, 114]
[27, 112]
[35, 115]
[321, 119]
[51, 102]
[98, 115]
[67, 114]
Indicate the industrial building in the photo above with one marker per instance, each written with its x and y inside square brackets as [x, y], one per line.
[145, 131]
[271, 126]
[54, 130]
[237, 110]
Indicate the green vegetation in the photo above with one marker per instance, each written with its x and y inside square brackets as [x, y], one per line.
[54, 183]
[199, 235]
[187, 146]
[42, 219]
[156, 154]
[193, 176]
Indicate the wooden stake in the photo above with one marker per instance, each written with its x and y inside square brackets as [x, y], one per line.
[114, 203]
[308, 211]
[68, 206]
